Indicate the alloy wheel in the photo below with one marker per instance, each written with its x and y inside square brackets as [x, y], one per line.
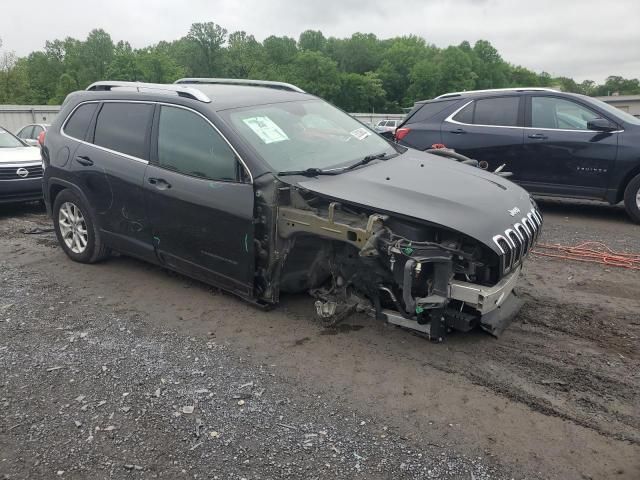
[73, 227]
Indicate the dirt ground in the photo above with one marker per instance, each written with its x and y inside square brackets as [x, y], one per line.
[557, 396]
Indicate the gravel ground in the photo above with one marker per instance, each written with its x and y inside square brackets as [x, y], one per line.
[89, 390]
[120, 370]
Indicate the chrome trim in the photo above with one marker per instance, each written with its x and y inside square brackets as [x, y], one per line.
[239, 81]
[512, 89]
[142, 87]
[29, 163]
[151, 102]
[450, 119]
[520, 239]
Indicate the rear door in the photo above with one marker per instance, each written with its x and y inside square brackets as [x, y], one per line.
[561, 154]
[488, 130]
[200, 201]
[110, 169]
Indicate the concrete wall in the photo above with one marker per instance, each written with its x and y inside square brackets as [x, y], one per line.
[14, 117]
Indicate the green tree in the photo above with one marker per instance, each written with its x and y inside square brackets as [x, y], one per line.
[312, 40]
[124, 65]
[207, 40]
[315, 73]
[243, 55]
[456, 70]
[361, 93]
[156, 66]
[279, 50]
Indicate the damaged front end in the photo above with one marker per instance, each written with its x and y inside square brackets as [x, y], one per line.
[413, 274]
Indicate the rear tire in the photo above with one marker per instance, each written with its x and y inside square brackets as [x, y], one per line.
[632, 199]
[77, 230]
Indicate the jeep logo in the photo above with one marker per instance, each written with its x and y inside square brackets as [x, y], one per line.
[514, 211]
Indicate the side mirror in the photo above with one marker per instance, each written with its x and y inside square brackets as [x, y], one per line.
[601, 125]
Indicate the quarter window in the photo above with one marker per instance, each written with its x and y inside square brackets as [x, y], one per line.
[465, 115]
[557, 113]
[123, 127]
[188, 144]
[78, 123]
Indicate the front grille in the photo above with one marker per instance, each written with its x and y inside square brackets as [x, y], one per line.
[11, 173]
[517, 241]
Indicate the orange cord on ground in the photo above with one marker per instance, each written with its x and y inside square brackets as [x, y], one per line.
[591, 252]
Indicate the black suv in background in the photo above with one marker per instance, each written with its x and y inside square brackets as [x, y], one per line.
[555, 143]
[260, 188]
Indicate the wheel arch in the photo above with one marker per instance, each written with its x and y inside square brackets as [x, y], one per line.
[631, 174]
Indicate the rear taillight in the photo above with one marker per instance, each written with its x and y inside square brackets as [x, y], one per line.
[41, 138]
[401, 133]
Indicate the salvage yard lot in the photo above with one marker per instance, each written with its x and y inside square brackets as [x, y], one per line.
[97, 363]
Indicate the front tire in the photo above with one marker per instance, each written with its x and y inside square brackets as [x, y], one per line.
[76, 229]
[632, 199]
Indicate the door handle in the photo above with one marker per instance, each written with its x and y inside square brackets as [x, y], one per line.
[84, 160]
[159, 183]
[458, 131]
[538, 136]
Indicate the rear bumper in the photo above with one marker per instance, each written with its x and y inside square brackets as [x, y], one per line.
[23, 190]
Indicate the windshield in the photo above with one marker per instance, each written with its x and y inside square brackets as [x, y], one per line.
[616, 112]
[9, 141]
[305, 134]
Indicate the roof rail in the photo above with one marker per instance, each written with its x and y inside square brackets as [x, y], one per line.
[241, 81]
[187, 92]
[514, 89]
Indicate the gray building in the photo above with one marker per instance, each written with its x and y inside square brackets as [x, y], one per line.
[626, 103]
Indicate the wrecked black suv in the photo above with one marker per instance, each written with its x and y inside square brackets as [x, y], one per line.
[260, 188]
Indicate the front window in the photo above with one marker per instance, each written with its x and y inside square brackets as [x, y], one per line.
[305, 134]
[9, 141]
[557, 113]
[188, 144]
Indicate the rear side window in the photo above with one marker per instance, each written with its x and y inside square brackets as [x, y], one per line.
[429, 110]
[188, 144]
[77, 125]
[502, 111]
[123, 127]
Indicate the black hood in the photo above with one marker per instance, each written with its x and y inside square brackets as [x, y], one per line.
[432, 189]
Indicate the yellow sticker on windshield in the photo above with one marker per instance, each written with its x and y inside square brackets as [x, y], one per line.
[266, 129]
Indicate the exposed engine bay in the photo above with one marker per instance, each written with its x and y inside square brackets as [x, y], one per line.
[413, 274]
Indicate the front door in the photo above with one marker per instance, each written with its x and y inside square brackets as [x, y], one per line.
[561, 155]
[200, 207]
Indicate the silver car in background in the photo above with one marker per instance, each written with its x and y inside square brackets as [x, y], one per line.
[30, 133]
[20, 170]
[386, 126]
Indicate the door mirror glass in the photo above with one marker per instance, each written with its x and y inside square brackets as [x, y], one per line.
[601, 125]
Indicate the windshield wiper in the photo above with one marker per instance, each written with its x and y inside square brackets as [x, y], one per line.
[309, 172]
[314, 172]
[370, 158]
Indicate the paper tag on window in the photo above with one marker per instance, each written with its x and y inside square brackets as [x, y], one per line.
[266, 129]
[361, 133]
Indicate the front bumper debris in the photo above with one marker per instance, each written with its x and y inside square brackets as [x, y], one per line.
[495, 307]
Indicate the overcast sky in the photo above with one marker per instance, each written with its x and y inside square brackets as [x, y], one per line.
[583, 39]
